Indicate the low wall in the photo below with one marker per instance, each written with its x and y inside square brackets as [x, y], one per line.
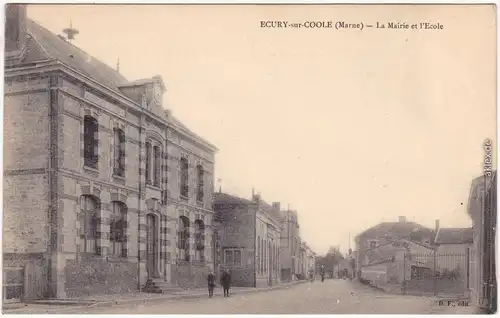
[190, 274]
[93, 275]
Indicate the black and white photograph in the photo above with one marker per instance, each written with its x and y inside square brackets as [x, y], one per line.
[200, 159]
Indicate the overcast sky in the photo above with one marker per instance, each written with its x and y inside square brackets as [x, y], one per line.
[349, 127]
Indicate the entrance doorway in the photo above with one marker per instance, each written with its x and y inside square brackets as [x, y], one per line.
[151, 246]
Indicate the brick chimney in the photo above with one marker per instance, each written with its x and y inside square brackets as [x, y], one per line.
[15, 27]
[402, 219]
[436, 227]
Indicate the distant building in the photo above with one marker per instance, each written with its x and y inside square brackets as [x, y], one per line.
[249, 239]
[385, 232]
[307, 259]
[482, 209]
[104, 190]
[290, 246]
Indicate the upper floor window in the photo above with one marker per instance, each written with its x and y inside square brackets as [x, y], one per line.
[200, 193]
[89, 211]
[117, 228]
[157, 165]
[184, 177]
[148, 163]
[119, 152]
[373, 244]
[90, 141]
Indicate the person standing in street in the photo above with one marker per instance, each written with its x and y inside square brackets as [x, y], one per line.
[226, 282]
[211, 284]
[322, 273]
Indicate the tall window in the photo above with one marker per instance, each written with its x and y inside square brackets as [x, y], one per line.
[199, 193]
[232, 257]
[183, 236]
[119, 153]
[184, 177]
[117, 228]
[90, 141]
[89, 209]
[199, 232]
[157, 165]
[262, 256]
[148, 163]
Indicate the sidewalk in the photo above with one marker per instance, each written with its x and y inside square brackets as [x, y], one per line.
[60, 306]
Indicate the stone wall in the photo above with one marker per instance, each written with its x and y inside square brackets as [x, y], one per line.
[190, 275]
[91, 276]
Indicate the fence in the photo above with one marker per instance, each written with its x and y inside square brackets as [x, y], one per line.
[435, 273]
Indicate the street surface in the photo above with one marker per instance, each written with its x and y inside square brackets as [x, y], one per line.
[330, 297]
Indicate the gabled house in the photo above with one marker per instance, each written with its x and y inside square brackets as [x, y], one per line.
[387, 232]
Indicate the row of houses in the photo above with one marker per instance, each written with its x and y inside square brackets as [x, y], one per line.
[106, 191]
[407, 257]
[260, 242]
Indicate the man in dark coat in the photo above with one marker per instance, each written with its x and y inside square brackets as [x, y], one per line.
[225, 281]
[211, 284]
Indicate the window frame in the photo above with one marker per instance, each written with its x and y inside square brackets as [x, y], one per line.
[200, 187]
[184, 177]
[122, 223]
[90, 142]
[148, 147]
[232, 251]
[156, 165]
[119, 152]
[89, 218]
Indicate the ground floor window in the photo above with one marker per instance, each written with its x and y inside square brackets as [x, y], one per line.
[232, 257]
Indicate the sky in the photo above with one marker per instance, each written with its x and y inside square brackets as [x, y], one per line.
[348, 127]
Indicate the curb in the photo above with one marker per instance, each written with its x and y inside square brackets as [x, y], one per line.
[110, 303]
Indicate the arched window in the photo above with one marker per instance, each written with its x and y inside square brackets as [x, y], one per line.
[184, 177]
[157, 166]
[119, 152]
[89, 212]
[117, 228]
[200, 175]
[90, 141]
[183, 236]
[199, 232]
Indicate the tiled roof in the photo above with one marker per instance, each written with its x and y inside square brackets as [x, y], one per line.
[54, 47]
[396, 230]
[224, 198]
[454, 236]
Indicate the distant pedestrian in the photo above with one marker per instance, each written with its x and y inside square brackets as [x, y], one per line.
[311, 275]
[211, 284]
[225, 281]
[322, 273]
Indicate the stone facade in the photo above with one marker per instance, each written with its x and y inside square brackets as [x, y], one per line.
[250, 235]
[131, 183]
[290, 246]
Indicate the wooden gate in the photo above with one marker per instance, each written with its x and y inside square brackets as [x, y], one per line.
[35, 281]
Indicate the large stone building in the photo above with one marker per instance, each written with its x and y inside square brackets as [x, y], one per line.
[103, 188]
[249, 239]
[290, 246]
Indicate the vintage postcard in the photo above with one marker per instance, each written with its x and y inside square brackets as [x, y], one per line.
[249, 159]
